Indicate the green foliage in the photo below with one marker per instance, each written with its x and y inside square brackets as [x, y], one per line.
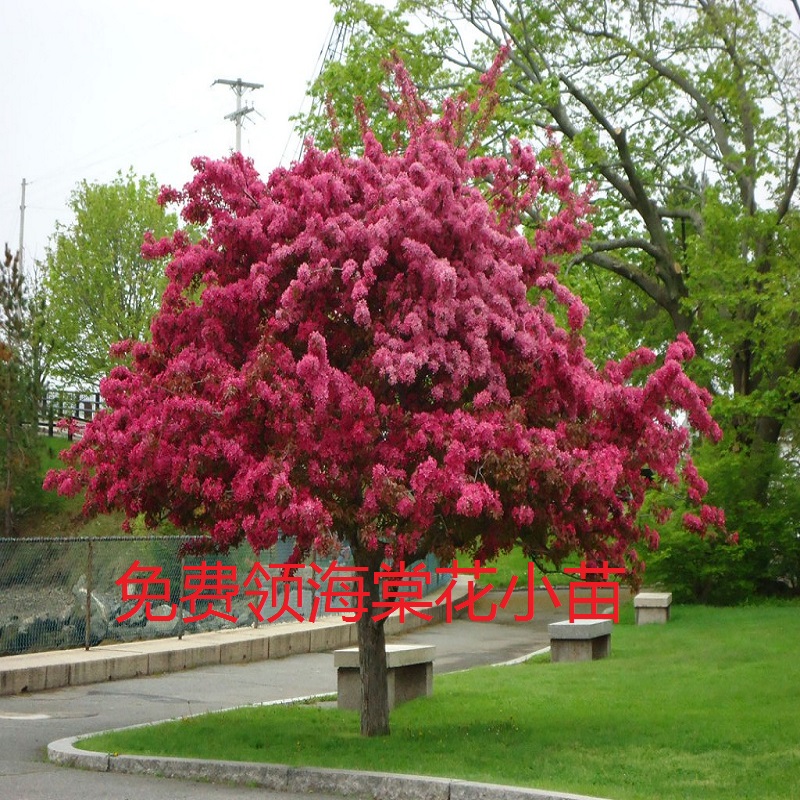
[100, 289]
[19, 392]
[766, 560]
[686, 116]
[375, 33]
[32, 496]
[515, 564]
[47, 514]
[748, 311]
[695, 710]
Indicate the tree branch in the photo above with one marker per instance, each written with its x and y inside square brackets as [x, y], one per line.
[630, 242]
[730, 158]
[791, 185]
[686, 135]
[652, 288]
[746, 182]
[690, 214]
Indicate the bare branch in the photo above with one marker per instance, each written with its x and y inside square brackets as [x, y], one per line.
[690, 214]
[651, 287]
[686, 135]
[731, 159]
[791, 185]
[746, 110]
[629, 242]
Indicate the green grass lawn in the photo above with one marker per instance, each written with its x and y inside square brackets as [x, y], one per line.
[516, 563]
[706, 707]
[49, 515]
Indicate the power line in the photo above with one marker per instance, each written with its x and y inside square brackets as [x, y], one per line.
[332, 50]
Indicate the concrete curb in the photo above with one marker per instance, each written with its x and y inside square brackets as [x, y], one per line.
[303, 780]
[298, 780]
[36, 672]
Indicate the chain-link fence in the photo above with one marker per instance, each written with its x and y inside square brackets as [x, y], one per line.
[57, 593]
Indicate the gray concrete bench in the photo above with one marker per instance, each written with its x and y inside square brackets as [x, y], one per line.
[582, 640]
[409, 674]
[652, 607]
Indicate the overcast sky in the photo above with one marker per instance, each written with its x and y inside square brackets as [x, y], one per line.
[91, 87]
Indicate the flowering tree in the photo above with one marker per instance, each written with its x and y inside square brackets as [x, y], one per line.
[365, 350]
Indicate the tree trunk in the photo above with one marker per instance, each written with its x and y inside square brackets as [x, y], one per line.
[759, 434]
[8, 519]
[764, 457]
[372, 653]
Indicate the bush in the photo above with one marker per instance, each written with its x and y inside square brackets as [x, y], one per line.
[766, 561]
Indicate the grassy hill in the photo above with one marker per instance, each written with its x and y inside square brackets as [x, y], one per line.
[41, 513]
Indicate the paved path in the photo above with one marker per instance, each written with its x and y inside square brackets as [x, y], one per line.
[29, 722]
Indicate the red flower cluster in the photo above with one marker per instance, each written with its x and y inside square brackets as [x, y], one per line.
[360, 349]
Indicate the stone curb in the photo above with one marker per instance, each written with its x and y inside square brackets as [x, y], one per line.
[36, 672]
[298, 780]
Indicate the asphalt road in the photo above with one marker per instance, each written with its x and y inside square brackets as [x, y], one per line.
[29, 722]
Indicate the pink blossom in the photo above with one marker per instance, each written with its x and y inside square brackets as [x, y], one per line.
[693, 523]
[360, 349]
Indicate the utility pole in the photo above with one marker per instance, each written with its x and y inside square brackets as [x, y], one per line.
[22, 227]
[239, 87]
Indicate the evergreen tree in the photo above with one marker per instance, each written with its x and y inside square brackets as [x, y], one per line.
[19, 389]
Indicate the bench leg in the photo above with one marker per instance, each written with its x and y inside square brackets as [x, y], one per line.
[580, 649]
[348, 685]
[403, 684]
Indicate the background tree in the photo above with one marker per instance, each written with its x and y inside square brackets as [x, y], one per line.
[351, 356]
[365, 26]
[100, 289]
[20, 385]
[686, 116]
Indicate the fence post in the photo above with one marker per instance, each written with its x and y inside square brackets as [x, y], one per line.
[77, 414]
[180, 604]
[88, 634]
[60, 414]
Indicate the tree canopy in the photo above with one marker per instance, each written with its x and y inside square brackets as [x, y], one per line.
[21, 309]
[687, 117]
[362, 350]
[100, 289]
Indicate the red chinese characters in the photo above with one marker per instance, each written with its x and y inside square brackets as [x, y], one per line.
[596, 601]
[280, 592]
[209, 584]
[142, 586]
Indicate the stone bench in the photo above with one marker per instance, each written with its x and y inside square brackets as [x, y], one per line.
[581, 640]
[409, 674]
[652, 607]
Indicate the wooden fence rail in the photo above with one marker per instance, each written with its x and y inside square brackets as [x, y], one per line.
[62, 404]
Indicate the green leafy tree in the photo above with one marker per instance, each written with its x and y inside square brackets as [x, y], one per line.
[686, 115]
[100, 289]
[767, 560]
[372, 33]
